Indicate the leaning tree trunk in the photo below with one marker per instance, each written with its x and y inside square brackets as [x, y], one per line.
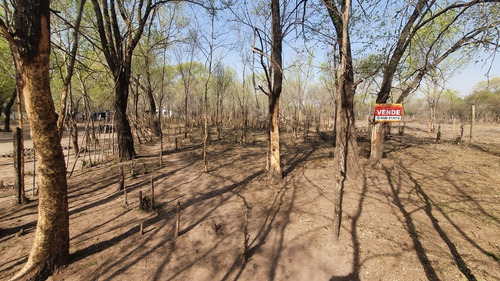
[31, 48]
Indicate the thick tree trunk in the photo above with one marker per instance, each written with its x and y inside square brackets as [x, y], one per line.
[8, 109]
[378, 133]
[31, 51]
[122, 125]
[51, 246]
[377, 142]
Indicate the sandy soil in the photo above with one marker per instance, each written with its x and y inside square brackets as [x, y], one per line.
[430, 212]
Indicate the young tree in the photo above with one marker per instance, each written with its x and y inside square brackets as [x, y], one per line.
[189, 72]
[164, 30]
[30, 42]
[284, 16]
[275, 87]
[433, 89]
[346, 152]
[270, 27]
[209, 65]
[69, 67]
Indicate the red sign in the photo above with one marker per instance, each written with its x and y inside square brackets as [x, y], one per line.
[385, 112]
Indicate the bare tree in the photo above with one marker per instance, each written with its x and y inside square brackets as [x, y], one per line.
[188, 71]
[284, 17]
[69, 67]
[163, 30]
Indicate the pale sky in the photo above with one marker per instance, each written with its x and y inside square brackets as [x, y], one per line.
[473, 74]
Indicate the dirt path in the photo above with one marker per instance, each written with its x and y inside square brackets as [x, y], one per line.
[430, 212]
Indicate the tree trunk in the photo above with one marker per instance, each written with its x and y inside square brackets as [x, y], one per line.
[72, 125]
[205, 127]
[405, 36]
[152, 103]
[152, 109]
[346, 151]
[472, 117]
[8, 109]
[185, 114]
[377, 142]
[74, 135]
[18, 166]
[275, 173]
[125, 140]
[31, 48]
[432, 117]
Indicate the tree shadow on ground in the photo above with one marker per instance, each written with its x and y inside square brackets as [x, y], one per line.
[356, 258]
[429, 207]
[13, 263]
[396, 189]
[487, 148]
[297, 159]
[103, 245]
[24, 211]
[169, 240]
[259, 239]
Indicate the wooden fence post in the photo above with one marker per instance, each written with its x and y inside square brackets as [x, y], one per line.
[18, 166]
[472, 117]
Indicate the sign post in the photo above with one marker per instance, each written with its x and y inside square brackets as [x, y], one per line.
[385, 112]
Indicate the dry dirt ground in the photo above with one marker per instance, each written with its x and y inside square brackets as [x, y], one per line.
[429, 212]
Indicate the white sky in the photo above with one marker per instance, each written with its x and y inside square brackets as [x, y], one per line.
[465, 81]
